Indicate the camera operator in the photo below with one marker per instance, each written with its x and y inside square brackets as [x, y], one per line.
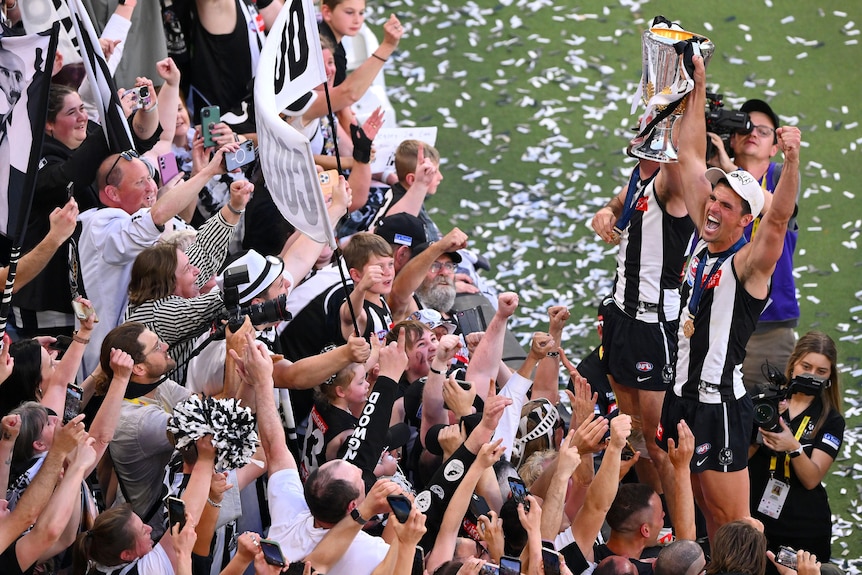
[773, 339]
[786, 470]
[166, 283]
[267, 281]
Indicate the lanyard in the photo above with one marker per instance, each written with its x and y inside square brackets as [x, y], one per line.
[699, 283]
[774, 459]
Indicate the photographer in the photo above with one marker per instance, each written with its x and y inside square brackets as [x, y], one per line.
[165, 287]
[787, 469]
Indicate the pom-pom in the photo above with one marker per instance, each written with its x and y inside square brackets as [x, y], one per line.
[231, 425]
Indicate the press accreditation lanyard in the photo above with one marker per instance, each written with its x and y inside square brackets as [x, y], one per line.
[773, 461]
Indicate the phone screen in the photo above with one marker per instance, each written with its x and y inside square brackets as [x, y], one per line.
[73, 402]
[272, 552]
[176, 512]
[510, 566]
[519, 492]
[551, 559]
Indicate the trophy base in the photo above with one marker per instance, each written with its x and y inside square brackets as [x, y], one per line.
[657, 145]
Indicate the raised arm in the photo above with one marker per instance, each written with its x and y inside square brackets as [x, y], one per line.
[31, 264]
[174, 200]
[680, 458]
[692, 148]
[485, 360]
[547, 380]
[757, 263]
[37, 494]
[43, 541]
[444, 545]
[413, 273]
[603, 489]
[105, 422]
[357, 82]
[255, 370]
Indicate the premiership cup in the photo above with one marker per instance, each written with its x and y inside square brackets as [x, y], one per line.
[664, 83]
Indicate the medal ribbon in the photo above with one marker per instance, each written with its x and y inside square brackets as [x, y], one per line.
[631, 200]
[699, 283]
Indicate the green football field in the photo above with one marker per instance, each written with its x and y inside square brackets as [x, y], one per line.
[532, 100]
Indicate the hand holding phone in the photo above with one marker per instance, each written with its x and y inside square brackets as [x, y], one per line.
[519, 491]
[168, 167]
[176, 511]
[74, 394]
[272, 552]
[210, 116]
[401, 507]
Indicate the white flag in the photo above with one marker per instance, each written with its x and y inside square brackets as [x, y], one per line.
[111, 114]
[291, 65]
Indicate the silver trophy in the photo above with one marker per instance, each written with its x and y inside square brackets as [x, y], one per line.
[664, 85]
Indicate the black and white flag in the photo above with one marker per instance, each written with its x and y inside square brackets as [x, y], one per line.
[25, 75]
[291, 65]
[107, 102]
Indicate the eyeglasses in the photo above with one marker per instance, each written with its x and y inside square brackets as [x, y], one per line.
[128, 155]
[762, 131]
[156, 348]
[448, 266]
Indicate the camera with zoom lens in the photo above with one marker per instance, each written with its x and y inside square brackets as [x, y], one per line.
[268, 311]
[767, 396]
[724, 123]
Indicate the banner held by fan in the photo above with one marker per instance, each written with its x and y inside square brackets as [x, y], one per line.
[26, 63]
[111, 114]
[291, 66]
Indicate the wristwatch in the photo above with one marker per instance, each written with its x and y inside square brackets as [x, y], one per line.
[795, 453]
[357, 517]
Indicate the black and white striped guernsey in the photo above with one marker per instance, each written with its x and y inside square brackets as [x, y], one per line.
[651, 258]
[709, 363]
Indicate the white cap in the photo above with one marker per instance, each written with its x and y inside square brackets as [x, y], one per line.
[743, 183]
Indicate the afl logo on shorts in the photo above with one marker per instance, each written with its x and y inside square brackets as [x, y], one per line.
[643, 366]
[703, 448]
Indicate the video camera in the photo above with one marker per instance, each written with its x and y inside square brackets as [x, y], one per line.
[724, 123]
[766, 397]
[269, 311]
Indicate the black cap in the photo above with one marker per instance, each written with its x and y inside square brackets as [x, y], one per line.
[763, 108]
[456, 257]
[403, 229]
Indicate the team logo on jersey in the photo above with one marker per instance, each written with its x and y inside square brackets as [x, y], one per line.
[691, 272]
[643, 366]
[659, 432]
[703, 448]
[641, 205]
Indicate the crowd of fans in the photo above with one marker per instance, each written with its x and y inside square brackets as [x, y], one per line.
[396, 430]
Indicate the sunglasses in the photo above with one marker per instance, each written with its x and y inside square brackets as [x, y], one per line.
[128, 155]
